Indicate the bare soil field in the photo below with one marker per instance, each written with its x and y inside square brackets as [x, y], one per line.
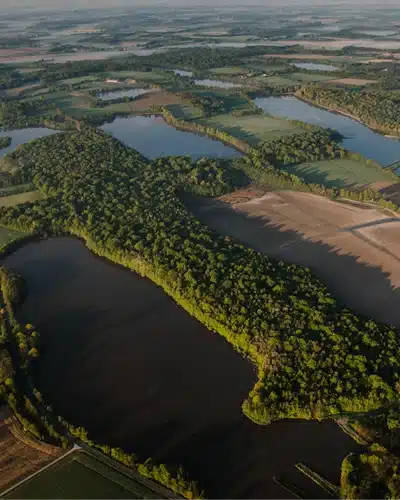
[354, 249]
[352, 81]
[20, 457]
[162, 98]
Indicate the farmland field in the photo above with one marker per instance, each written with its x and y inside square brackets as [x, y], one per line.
[340, 173]
[229, 70]
[7, 235]
[253, 128]
[80, 475]
[16, 199]
[336, 240]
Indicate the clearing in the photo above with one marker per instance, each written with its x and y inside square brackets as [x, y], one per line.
[253, 128]
[8, 235]
[17, 199]
[336, 240]
[352, 81]
[82, 475]
[19, 456]
[341, 172]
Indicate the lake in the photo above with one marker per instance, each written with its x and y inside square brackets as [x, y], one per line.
[22, 136]
[216, 84]
[153, 137]
[118, 94]
[315, 67]
[122, 359]
[357, 137]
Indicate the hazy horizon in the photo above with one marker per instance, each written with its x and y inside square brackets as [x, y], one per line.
[92, 4]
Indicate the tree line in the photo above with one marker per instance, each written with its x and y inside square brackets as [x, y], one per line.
[378, 110]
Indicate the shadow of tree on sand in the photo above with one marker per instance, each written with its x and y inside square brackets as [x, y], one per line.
[360, 286]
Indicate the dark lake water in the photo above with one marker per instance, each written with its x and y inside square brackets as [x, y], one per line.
[153, 137]
[315, 66]
[122, 359]
[22, 136]
[358, 137]
[117, 94]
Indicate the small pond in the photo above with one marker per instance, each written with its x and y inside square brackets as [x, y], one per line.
[22, 136]
[153, 137]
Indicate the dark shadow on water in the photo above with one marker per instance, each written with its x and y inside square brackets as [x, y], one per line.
[364, 288]
[122, 359]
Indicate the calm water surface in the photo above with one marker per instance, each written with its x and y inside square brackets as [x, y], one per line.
[118, 94]
[22, 136]
[122, 359]
[357, 137]
[153, 137]
[315, 66]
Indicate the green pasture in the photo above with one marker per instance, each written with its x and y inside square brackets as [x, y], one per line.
[253, 128]
[229, 70]
[17, 199]
[81, 475]
[340, 173]
[8, 235]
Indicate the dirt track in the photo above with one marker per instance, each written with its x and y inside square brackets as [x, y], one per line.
[354, 250]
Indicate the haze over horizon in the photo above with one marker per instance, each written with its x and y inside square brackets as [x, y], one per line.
[84, 4]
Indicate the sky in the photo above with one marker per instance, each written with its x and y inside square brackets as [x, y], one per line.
[74, 4]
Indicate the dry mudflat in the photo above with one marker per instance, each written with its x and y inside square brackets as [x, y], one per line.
[352, 247]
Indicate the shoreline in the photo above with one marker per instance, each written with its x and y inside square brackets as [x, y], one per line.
[347, 115]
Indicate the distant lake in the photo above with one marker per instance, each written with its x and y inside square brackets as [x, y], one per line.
[118, 94]
[153, 137]
[216, 84]
[357, 137]
[22, 136]
[315, 67]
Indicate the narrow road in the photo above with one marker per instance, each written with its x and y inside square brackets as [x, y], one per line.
[72, 450]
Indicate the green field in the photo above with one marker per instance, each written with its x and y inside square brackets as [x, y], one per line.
[16, 199]
[254, 128]
[77, 80]
[81, 475]
[7, 235]
[341, 173]
[229, 70]
[287, 79]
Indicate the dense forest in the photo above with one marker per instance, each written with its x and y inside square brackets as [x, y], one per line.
[5, 142]
[380, 111]
[300, 148]
[19, 114]
[372, 474]
[314, 358]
